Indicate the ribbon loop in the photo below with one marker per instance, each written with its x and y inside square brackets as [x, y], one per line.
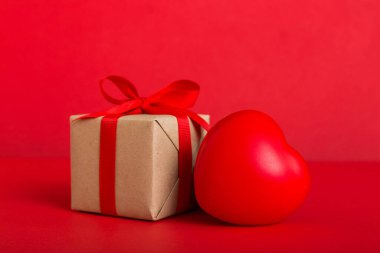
[182, 94]
[125, 86]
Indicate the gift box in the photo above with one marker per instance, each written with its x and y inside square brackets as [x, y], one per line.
[146, 166]
[126, 162]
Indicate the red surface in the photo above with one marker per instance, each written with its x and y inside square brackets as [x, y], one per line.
[247, 174]
[341, 214]
[312, 65]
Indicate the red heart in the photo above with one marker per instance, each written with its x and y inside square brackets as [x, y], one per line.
[247, 174]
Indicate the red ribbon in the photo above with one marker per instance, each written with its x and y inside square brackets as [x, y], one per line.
[174, 99]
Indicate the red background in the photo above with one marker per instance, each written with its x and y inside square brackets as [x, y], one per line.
[312, 65]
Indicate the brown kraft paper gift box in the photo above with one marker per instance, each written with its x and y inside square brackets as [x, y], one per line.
[146, 171]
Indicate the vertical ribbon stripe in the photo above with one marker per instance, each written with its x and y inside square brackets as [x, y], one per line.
[107, 161]
[185, 166]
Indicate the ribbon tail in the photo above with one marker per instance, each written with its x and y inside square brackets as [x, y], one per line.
[198, 119]
[91, 115]
[178, 112]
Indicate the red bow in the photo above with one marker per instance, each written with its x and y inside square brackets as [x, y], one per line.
[174, 99]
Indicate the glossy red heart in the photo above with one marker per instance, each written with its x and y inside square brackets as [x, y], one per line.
[247, 174]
